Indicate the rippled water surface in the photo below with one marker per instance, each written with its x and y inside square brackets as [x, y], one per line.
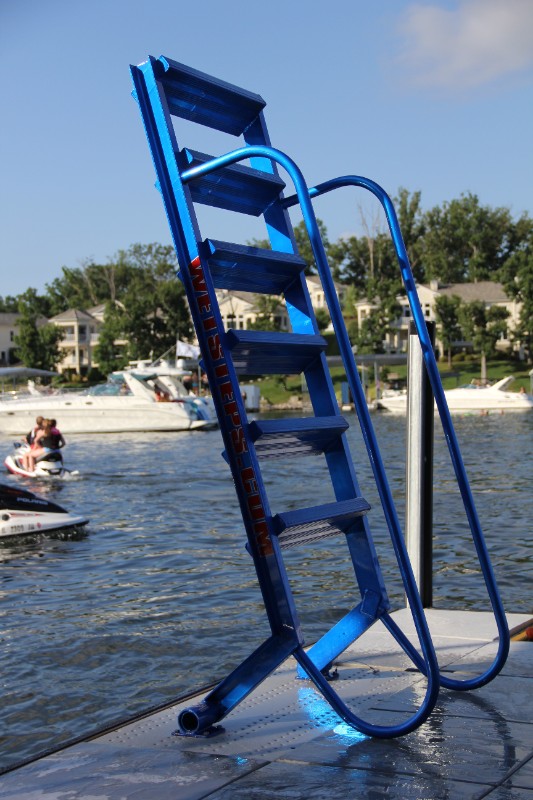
[159, 596]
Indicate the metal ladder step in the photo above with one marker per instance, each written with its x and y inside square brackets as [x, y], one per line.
[269, 353]
[234, 188]
[282, 438]
[251, 269]
[198, 97]
[318, 522]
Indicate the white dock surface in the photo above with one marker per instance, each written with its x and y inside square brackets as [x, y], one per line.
[284, 742]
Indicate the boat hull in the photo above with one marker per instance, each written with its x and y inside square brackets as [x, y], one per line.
[42, 470]
[90, 414]
[23, 513]
[25, 524]
[469, 402]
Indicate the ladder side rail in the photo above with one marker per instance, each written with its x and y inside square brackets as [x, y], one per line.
[391, 516]
[273, 581]
[446, 420]
[303, 320]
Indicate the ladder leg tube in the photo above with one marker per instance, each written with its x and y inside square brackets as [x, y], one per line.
[341, 635]
[195, 720]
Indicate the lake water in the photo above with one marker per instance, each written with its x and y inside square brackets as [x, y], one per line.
[158, 596]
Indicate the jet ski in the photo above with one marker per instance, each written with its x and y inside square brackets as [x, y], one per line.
[23, 513]
[49, 465]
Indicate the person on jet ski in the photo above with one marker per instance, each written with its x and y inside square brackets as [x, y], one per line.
[32, 435]
[46, 441]
[57, 435]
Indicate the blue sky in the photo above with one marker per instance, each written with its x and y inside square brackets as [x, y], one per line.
[432, 95]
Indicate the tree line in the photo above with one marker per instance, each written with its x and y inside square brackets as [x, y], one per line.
[456, 242]
[145, 307]
[459, 241]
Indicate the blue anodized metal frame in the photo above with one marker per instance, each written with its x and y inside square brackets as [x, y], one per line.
[286, 637]
[285, 640]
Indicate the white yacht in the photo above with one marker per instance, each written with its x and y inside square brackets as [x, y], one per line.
[126, 403]
[472, 398]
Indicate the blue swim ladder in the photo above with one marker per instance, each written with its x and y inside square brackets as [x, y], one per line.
[165, 89]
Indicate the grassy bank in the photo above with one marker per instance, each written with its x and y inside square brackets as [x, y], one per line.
[278, 390]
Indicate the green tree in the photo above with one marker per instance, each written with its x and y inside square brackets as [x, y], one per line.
[447, 316]
[9, 304]
[412, 221]
[465, 241]
[37, 342]
[352, 255]
[109, 354]
[91, 284]
[349, 312]
[268, 317]
[370, 337]
[483, 326]
[517, 277]
[155, 311]
[323, 319]
[145, 302]
[306, 252]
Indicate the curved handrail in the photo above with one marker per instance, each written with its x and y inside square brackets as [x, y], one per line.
[445, 416]
[431, 668]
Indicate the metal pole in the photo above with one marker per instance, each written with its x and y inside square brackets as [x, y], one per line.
[419, 467]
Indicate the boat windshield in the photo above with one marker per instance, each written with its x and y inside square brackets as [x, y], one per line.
[112, 388]
[474, 386]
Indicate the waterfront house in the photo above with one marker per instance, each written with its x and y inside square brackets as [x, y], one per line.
[240, 309]
[8, 331]
[489, 292]
[80, 330]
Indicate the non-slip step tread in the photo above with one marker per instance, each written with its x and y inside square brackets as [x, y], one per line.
[283, 438]
[318, 522]
[235, 188]
[273, 353]
[206, 100]
[251, 269]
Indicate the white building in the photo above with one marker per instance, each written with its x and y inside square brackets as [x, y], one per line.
[489, 292]
[239, 310]
[8, 331]
[80, 330]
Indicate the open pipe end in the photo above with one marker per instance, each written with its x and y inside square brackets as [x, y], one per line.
[189, 722]
[199, 720]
